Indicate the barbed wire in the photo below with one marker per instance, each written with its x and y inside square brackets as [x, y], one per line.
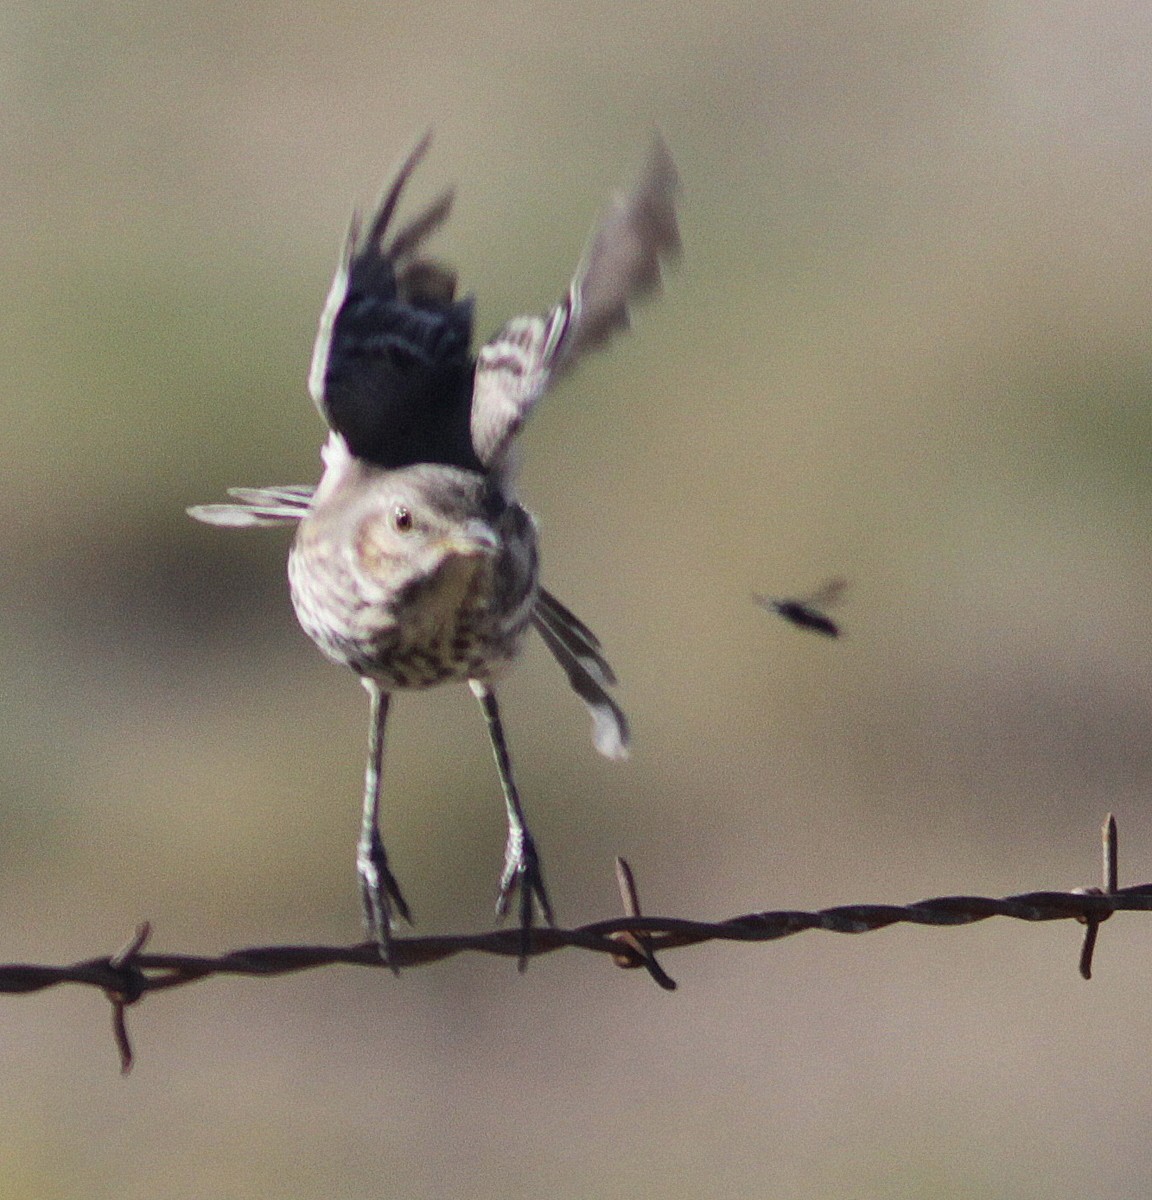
[632, 940]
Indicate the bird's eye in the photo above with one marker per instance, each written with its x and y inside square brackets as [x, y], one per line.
[401, 519]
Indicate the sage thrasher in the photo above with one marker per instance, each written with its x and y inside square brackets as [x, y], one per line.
[413, 563]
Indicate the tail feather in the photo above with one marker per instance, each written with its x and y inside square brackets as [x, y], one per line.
[576, 649]
[568, 627]
[259, 506]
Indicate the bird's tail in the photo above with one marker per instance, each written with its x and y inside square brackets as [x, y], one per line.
[258, 506]
[577, 649]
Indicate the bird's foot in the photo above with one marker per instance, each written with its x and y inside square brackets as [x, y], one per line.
[380, 895]
[523, 876]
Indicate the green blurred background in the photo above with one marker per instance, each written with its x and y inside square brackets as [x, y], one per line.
[908, 343]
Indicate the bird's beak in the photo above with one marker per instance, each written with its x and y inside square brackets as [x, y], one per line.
[474, 539]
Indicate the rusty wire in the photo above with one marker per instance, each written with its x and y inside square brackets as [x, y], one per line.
[631, 940]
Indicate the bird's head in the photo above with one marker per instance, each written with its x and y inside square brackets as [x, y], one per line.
[428, 532]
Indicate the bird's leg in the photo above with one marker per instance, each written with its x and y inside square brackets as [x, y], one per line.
[379, 891]
[522, 870]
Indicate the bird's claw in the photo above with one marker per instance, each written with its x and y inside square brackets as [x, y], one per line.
[381, 897]
[523, 876]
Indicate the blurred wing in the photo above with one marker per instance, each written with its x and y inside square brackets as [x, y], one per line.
[576, 648]
[828, 593]
[259, 506]
[621, 265]
[391, 367]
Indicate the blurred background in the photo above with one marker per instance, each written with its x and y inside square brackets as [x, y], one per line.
[907, 344]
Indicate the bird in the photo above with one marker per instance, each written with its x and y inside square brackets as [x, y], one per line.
[414, 563]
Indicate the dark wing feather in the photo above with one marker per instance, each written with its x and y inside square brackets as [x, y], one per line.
[392, 366]
[621, 265]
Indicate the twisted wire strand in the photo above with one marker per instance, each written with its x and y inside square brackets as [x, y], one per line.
[157, 972]
[632, 940]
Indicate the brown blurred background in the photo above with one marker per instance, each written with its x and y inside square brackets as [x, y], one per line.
[908, 343]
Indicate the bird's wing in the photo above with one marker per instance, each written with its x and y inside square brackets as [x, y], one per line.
[577, 650]
[622, 264]
[258, 506]
[391, 366]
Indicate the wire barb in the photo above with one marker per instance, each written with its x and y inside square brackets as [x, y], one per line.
[134, 984]
[640, 945]
[1110, 842]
